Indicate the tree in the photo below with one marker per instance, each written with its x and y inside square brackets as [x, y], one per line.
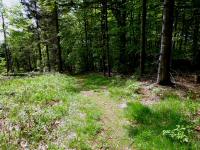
[105, 37]
[120, 13]
[33, 12]
[90, 35]
[22, 41]
[37, 20]
[60, 64]
[143, 36]
[166, 44]
[195, 45]
[7, 52]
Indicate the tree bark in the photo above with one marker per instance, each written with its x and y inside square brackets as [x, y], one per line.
[143, 37]
[48, 59]
[59, 52]
[120, 13]
[87, 68]
[5, 43]
[38, 36]
[107, 40]
[122, 37]
[195, 48]
[105, 37]
[166, 44]
[29, 62]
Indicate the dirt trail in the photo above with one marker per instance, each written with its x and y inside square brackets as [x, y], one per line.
[113, 135]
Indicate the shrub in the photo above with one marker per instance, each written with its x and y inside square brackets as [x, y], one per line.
[180, 133]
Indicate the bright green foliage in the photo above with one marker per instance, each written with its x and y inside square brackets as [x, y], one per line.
[165, 125]
[21, 40]
[180, 133]
[34, 26]
[140, 113]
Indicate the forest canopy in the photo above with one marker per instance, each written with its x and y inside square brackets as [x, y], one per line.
[122, 36]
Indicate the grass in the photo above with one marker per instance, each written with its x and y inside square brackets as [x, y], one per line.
[119, 88]
[47, 110]
[52, 111]
[172, 115]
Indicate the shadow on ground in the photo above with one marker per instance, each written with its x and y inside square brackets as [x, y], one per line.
[96, 81]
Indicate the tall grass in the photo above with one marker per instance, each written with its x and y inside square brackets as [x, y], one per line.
[46, 111]
[149, 124]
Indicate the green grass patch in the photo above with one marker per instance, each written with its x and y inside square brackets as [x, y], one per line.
[46, 110]
[119, 88]
[165, 125]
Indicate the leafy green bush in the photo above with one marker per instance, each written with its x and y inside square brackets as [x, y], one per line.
[180, 133]
[152, 127]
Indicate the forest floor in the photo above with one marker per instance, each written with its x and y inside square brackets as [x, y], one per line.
[55, 111]
[112, 134]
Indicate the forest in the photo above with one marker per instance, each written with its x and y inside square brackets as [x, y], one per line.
[100, 74]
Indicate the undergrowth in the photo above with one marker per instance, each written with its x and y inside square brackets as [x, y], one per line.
[46, 111]
[168, 124]
[49, 111]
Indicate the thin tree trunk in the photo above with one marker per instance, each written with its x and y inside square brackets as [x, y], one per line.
[18, 65]
[182, 32]
[60, 65]
[86, 42]
[196, 52]
[107, 40]
[48, 60]
[143, 37]
[166, 44]
[105, 37]
[186, 40]
[120, 13]
[5, 43]
[175, 28]
[38, 37]
[122, 37]
[103, 32]
[29, 61]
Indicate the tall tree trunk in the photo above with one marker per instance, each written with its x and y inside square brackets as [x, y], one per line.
[86, 43]
[143, 37]
[48, 60]
[59, 52]
[132, 32]
[38, 36]
[18, 65]
[175, 20]
[182, 32]
[29, 62]
[166, 44]
[122, 38]
[120, 13]
[107, 40]
[5, 43]
[105, 37]
[195, 48]
[186, 39]
[87, 68]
